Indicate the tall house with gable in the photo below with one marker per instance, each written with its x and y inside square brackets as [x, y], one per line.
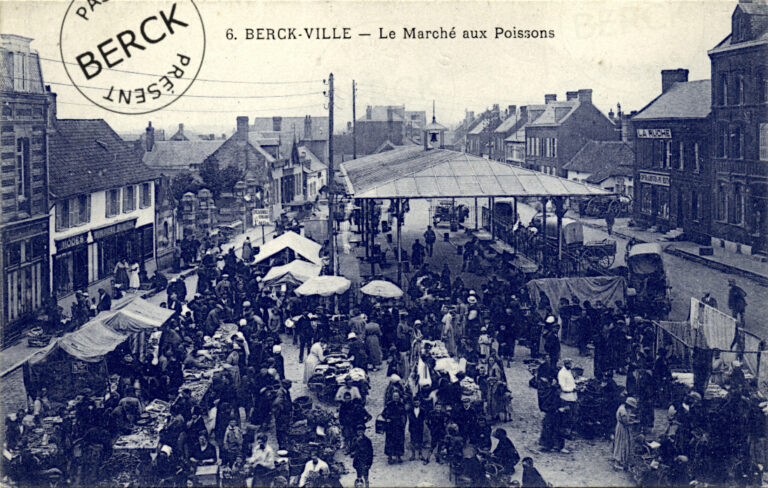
[740, 113]
[23, 185]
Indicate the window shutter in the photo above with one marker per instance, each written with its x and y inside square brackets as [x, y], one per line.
[88, 208]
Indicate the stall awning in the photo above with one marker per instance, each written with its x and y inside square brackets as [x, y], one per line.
[298, 270]
[102, 334]
[412, 172]
[306, 248]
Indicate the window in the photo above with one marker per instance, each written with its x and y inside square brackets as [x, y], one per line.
[681, 156]
[113, 202]
[129, 199]
[146, 195]
[23, 173]
[761, 85]
[735, 142]
[722, 93]
[740, 89]
[696, 161]
[73, 212]
[658, 154]
[722, 140]
[738, 204]
[668, 155]
[763, 135]
[554, 147]
[722, 202]
[662, 195]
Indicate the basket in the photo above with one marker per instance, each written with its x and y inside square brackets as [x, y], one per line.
[381, 424]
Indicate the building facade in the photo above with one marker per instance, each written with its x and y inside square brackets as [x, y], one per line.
[672, 167]
[607, 164]
[102, 207]
[381, 123]
[561, 130]
[740, 117]
[24, 283]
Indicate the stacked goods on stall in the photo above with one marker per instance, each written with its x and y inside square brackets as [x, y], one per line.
[123, 468]
[590, 409]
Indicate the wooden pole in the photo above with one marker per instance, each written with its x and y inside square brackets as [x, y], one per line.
[399, 246]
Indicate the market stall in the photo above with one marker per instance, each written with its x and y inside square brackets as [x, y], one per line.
[293, 245]
[294, 273]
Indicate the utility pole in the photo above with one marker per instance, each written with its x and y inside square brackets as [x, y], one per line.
[331, 178]
[354, 122]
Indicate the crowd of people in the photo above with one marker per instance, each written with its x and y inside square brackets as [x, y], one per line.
[450, 415]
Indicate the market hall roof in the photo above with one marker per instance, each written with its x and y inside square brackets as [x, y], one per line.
[412, 172]
[86, 156]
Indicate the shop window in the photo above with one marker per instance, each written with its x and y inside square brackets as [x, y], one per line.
[113, 202]
[663, 202]
[722, 202]
[63, 273]
[146, 195]
[129, 198]
[738, 204]
[13, 254]
[39, 247]
[646, 199]
[147, 242]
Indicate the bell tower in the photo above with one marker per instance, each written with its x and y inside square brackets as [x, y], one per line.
[434, 133]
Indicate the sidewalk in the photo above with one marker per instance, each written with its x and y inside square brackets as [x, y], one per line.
[16, 355]
[721, 260]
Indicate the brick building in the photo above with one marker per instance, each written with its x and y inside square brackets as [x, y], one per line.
[562, 128]
[380, 124]
[672, 168]
[740, 112]
[24, 283]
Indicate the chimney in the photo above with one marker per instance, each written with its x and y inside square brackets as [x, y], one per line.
[550, 97]
[149, 140]
[52, 112]
[571, 95]
[307, 127]
[627, 134]
[390, 114]
[181, 129]
[495, 107]
[277, 123]
[524, 112]
[349, 126]
[511, 110]
[211, 137]
[368, 112]
[223, 137]
[671, 76]
[242, 127]
[585, 95]
[471, 116]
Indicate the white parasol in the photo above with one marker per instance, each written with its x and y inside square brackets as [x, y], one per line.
[324, 286]
[382, 288]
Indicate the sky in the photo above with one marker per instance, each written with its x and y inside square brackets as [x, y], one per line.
[617, 48]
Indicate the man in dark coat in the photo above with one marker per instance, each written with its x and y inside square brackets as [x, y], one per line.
[737, 301]
[105, 301]
[395, 415]
[416, 418]
[362, 456]
[505, 452]
[417, 254]
[429, 239]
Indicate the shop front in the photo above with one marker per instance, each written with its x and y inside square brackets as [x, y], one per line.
[25, 272]
[70, 264]
[653, 192]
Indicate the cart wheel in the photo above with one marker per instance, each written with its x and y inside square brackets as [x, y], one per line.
[606, 260]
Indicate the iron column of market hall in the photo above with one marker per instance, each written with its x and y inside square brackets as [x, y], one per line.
[331, 177]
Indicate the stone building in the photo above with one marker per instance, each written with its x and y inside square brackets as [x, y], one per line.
[24, 262]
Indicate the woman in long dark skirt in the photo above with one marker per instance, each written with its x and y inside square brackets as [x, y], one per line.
[395, 415]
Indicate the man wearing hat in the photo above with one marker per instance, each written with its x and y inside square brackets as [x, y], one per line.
[356, 351]
[305, 332]
[568, 393]
[737, 301]
[262, 459]
[551, 339]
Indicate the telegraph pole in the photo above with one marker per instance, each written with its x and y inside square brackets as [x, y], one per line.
[331, 178]
[354, 122]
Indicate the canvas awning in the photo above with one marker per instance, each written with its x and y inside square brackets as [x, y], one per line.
[607, 289]
[412, 172]
[306, 248]
[102, 334]
[295, 271]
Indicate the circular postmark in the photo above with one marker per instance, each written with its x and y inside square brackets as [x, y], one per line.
[132, 56]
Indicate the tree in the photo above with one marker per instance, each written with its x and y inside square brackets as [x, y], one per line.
[182, 183]
[217, 179]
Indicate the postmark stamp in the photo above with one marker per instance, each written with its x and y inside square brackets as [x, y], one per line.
[132, 57]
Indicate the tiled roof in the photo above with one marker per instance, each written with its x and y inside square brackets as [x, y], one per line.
[602, 159]
[315, 165]
[180, 154]
[555, 113]
[412, 172]
[291, 125]
[508, 124]
[380, 113]
[88, 156]
[684, 100]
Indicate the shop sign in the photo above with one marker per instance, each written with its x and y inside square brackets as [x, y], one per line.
[654, 133]
[261, 216]
[113, 229]
[654, 179]
[69, 242]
